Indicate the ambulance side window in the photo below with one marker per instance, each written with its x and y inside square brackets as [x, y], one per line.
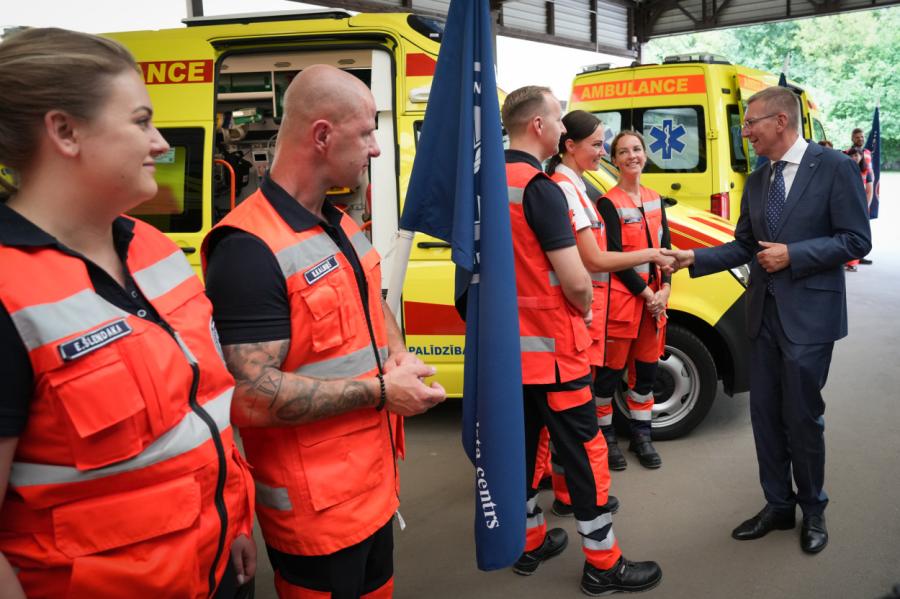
[818, 130]
[675, 138]
[735, 141]
[612, 124]
[177, 206]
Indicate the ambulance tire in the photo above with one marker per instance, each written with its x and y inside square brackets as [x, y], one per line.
[686, 386]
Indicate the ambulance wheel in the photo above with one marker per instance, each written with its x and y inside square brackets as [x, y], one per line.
[686, 385]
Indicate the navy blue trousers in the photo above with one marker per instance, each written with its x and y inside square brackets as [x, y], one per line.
[788, 415]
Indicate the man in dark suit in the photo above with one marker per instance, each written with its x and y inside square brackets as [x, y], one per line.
[803, 215]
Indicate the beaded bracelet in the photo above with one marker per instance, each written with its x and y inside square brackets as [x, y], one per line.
[381, 403]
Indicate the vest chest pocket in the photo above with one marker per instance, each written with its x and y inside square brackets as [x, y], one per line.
[324, 303]
[633, 236]
[103, 406]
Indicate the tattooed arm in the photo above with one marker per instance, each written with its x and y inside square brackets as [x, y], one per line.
[267, 396]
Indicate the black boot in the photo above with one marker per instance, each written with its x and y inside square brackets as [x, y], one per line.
[624, 577]
[614, 456]
[646, 453]
[555, 541]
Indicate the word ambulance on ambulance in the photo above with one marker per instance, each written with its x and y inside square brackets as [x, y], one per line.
[217, 87]
[690, 110]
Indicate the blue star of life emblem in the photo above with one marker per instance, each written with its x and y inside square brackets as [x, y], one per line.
[667, 139]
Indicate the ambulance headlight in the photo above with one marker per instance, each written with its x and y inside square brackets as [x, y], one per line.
[742, 274]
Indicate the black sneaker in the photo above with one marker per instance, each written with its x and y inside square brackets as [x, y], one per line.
[564, 509]
[646, 453]
[614, 456]
[624, 577]
[554, 543]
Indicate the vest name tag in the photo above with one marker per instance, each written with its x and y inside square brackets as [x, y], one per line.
[320, 270]
[94, 340]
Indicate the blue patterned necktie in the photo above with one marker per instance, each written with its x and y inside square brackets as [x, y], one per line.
[774, 208]
[775, 205]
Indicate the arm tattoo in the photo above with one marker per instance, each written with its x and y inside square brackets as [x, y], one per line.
[267, 396]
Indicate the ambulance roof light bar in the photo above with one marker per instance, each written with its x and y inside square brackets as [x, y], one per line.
[593, 68]
[703, 57]
[259, 17]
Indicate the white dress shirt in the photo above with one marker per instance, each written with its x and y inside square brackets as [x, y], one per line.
[792, 158]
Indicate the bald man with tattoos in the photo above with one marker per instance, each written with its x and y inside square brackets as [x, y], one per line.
[323, 376]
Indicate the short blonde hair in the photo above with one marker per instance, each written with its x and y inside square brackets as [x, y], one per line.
[522, 105]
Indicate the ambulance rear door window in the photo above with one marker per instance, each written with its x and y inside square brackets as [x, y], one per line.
[735, 141]
[675, 138]
[177, 206]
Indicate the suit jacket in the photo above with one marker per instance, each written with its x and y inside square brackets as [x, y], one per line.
[825, 223]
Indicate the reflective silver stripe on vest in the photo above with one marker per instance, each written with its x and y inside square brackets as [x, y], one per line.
[652, 206]
[41, 324]
[586, 527]
[554, 280]
[629, 213]
[604, 545]
[352, 365]
[273, 497]
[645, 267]
[305, 254]
[515, 194]
[185, 436]
[165, 275]
[361, 244]
[537, 344]
[600, 277]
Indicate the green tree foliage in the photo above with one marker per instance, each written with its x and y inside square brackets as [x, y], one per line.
[847, 61]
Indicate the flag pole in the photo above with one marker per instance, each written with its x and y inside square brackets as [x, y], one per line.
[399, 254]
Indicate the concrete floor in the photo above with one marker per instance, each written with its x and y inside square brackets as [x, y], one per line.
[682, 514]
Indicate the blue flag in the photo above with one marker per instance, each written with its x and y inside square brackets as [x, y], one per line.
[873, 144]
[457, 192]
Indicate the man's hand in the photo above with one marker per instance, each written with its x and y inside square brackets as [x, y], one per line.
[399, 358]
[407, 395]
[243, 558]
[683, 258]
[774, 256]
[668, 264]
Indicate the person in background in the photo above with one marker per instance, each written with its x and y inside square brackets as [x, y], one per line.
[323, 375]
[858, 142]
[866, 175]
[554, 297]
[635, 219]
[803, 215]
[580, 150]
[117, 455]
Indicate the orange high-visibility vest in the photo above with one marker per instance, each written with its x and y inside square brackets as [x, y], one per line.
[624, 311]
[552, 332]
[329, 484]
[600, 280]
[126, 479]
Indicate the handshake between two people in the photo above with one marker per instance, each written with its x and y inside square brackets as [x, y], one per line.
[772, 257]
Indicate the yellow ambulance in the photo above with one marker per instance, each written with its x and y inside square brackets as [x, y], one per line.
[217, 88]
[689, 109]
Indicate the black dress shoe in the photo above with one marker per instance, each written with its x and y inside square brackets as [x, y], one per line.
[623, 577]
[614, 457]
[564, 509]
[763, 523]
[813, 535]
[555, 541]
[646, 453]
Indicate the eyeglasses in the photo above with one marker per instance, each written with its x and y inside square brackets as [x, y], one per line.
[748, 123]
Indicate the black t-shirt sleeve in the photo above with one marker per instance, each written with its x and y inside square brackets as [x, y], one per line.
[17, 376]
[247, 290]
[547, 213]
[632, 281]
[666, 238]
